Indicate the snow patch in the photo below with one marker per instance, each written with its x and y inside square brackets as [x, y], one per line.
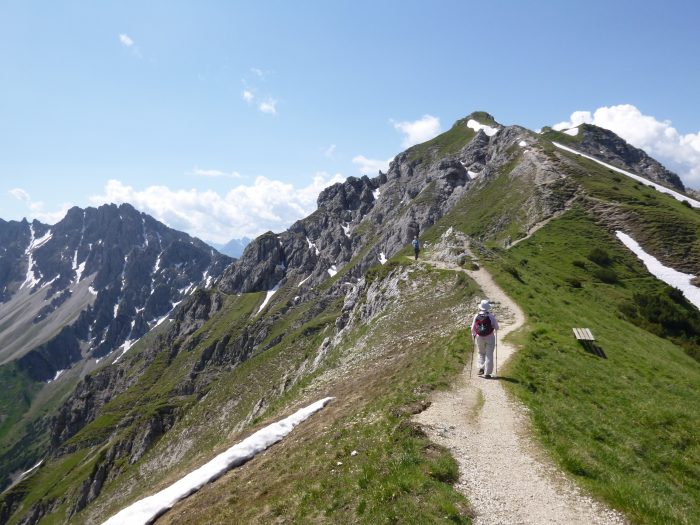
[476, 126]
[147, 509]
[92, 290]
[59, 373]
[668, 275]
[571, 131]
[376, 193]
[302, 282]
[128, 344]
[313, 246]
[472, 174]
[27, 472]
[522, 143]
[346, 229]
[382, 258]
[662, 189]
[332, 270]
[269, 295]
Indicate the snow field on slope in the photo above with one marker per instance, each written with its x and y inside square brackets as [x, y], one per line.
[662, 189]
[146, 510]
[668, 275]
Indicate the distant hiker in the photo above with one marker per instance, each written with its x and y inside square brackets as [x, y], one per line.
[416, 246]
[484, 326]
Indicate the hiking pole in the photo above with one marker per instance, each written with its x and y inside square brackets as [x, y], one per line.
[471, 366]
[495, 362]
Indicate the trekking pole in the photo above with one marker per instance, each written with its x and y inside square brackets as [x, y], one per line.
[471, 366]
[496, 352]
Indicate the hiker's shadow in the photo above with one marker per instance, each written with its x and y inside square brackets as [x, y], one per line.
[507, 379]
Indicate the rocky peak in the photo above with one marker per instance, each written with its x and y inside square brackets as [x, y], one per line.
[605, 145]
[107, 275]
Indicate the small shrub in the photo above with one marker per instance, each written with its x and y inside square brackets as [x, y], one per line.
[573, 282]
[600, 257]
[579, 264]
[509, 268]
[686, 203]
[606, 275]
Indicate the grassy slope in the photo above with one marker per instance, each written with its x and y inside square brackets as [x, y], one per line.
[626, 426]
[397, 476]
[402, 474]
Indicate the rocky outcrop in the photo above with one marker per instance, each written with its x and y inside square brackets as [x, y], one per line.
[605, 145]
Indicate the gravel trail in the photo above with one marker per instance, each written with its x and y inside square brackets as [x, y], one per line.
[505, 475]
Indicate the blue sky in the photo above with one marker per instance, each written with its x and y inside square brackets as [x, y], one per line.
[225, 119]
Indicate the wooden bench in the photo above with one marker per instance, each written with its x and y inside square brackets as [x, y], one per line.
[585, 337]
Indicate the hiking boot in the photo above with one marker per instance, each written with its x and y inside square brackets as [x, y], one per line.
[481, 372]
[488, 376]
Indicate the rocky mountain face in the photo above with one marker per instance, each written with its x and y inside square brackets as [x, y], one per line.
[284, 289]
[605, 145]
[95, 281]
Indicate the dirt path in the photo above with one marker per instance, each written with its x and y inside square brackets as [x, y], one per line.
[507, 478]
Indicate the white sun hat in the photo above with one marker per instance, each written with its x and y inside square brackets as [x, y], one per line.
[484, 305]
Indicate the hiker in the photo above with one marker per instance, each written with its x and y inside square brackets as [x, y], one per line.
[484, 326]
[416, 246]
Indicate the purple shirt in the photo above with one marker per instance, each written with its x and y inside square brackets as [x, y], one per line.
[494, 323]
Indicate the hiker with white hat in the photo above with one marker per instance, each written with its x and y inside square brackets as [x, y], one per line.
[484, 326]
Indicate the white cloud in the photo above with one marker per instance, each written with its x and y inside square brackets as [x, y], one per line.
[215, 173]
[680, 153]
[268, 106]
[245, 211]
[248, 96]
[329, 151]
[419, 130]
[126, 40]
[36, 208]
[20, 194]
[371, 166]
[258, 72]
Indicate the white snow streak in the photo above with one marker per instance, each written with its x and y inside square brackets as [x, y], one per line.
[668, 275]
[26, 472]
[31, 279]
[269, 295]
[662, 189]
[59, 373]
[302, 282]
[476, 126]
[145, 510]
[313, 246]
[382, 258]
[332, 270]
[571, 131]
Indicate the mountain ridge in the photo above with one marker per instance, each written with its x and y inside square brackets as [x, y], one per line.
[290, 308]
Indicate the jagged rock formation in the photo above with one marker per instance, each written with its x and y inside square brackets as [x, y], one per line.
[99, 277]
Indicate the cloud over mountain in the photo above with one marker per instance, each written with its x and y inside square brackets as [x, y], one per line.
[681, 153]
[245, 211]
